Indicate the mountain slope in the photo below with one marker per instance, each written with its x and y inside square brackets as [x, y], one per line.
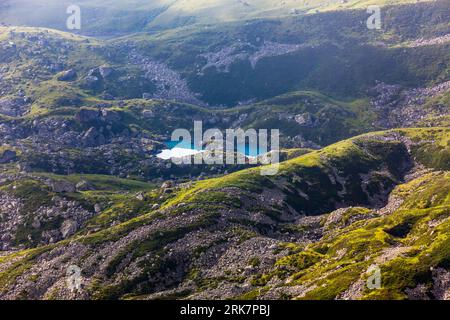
[115, 17]
[200, 231]
[50, 121]
[242, 62]
[82, 120]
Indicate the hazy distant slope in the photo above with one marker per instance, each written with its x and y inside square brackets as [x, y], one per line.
[98, 16]
[210, 11]
[115, 16]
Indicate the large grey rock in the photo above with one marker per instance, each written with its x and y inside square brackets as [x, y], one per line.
[98, 208]
[8, 156]
[13, 107]
[167, 184]
[111, 116]
[147, 114]
[101, 72]
[68, 75]
[91, 81]
[87, 115]
[68, 228]
[108, 96]
[105, 71]
[84, 185]
[51, 236]
[93, 138]
[140, 196]
[61, 186]
[306, 120]
[36, 224]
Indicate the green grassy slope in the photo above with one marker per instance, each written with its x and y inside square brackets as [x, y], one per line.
[333, 118]
[112, 17]
[402, 244]
[226, 206]
[338, 54]
[309, 232]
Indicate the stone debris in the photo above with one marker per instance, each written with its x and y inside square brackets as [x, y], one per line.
[14, 107]
[19, 225]
[224, 58]
[61, 186]
[400, 107]
[422, 42]
[169, 83]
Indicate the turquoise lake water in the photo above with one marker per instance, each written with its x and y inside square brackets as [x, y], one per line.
[244, 149]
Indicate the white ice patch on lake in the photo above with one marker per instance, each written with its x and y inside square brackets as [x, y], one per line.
[168, 154]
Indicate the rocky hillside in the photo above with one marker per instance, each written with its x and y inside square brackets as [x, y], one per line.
[376, 199]
[364, 181]
[110, 113]
[236, 63]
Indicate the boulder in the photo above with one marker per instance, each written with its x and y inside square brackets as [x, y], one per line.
[140, 196]
[108, 96]
[147, 114]
[87, 115]
[13, 107]
[68, 75]
[36, 224]
[84, 185]
[98, 208]
[305, 119]
[93, 72]
[61, 186]
[93, 138]
[51, 236]
[111, 116]
[8, 156]
[105, 71]
[102, 71]
[91, 81]
[167, 184]
[68, 228]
